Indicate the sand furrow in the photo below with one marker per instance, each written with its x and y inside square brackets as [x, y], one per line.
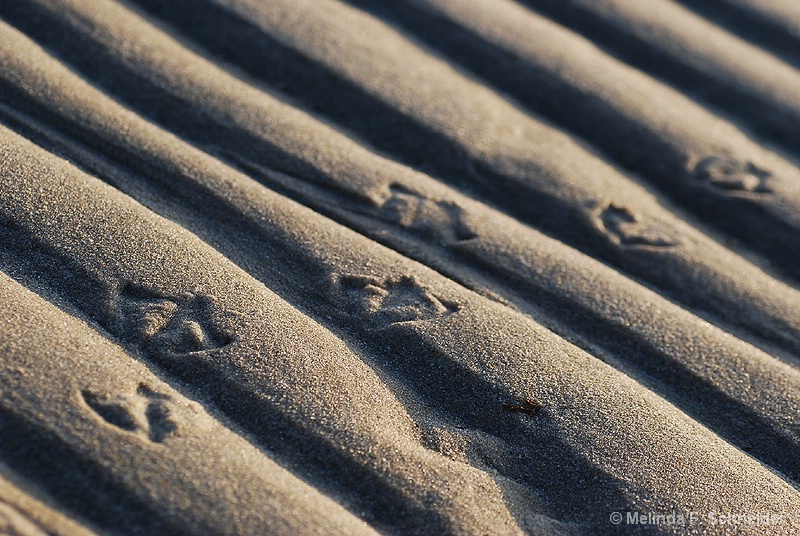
[463, 239]
[295, 389]
[409, 320]
[415, 219]
[770, 24]
[108, 439]
[225, 312]
[669, 40]
[687, 360]
[608, 216]
[698, 159]
[23, 514]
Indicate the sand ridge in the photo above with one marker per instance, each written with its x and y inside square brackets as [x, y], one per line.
[236, 305]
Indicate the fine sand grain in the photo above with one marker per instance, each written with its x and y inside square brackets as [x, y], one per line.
[413, 267]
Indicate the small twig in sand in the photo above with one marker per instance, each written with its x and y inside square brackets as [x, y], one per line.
[528, 407]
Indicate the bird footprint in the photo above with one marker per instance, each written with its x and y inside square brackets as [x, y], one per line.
[631, 230]
[727, 173]
[442, 221]
[145, 413]
[172, 325]
[392, 300]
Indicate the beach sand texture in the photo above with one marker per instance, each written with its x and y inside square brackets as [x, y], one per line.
[399, 267]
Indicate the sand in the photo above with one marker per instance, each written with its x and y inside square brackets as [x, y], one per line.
[415, 267]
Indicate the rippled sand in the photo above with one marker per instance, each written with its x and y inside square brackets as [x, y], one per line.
[407, 267]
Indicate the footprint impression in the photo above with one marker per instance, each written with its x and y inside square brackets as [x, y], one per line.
[441, 221]
[145, 413]
[391, 300]
[728, 174]
[629, 229]
[167, 325]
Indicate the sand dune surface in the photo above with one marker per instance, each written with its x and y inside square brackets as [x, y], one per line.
[412, 267]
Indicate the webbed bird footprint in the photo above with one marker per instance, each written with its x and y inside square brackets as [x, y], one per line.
[442, 221]
[171, 325]
[629, 229]
[392, 300]
[145, 413]
[730, 174]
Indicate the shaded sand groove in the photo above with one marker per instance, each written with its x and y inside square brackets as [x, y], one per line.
[527, 355]
[188, 485]
[695, 270]
[23, 513]
[442, 225]
[695, 157]
[774, 25]
[670, 40]
[212, 356]
[560, 199]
